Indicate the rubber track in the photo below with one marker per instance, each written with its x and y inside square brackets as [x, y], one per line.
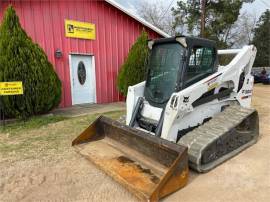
[198, 139]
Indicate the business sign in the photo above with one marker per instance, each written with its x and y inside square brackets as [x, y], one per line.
[11, 88]
[82, 30]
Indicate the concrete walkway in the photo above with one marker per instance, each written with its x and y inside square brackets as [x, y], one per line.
[86, 109]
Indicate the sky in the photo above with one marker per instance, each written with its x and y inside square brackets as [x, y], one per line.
[256, 8]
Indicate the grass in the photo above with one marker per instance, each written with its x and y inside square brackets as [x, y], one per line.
[34, 122]
[43, 137]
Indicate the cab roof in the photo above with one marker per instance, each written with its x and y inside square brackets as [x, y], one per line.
[190, 41]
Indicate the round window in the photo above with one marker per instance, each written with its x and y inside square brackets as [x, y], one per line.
[81, 73]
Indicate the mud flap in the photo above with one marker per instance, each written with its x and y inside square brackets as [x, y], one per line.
[148, 166]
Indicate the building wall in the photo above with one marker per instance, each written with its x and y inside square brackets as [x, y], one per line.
[115, 34]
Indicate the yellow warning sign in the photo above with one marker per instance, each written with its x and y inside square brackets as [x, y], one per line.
[83, 30]
[212, 86]
[11, 88]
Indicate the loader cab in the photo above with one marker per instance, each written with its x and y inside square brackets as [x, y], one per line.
[176, 63]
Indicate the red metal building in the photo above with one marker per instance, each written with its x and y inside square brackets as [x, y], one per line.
[87, 67]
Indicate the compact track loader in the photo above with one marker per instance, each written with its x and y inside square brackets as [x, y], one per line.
[190, 112]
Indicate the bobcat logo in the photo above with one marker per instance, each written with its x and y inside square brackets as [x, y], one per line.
[186, 99]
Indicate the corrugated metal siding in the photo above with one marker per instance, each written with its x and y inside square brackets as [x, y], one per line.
[115, 34]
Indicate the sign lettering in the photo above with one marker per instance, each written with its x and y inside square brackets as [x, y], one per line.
[11, 88]
[83, 30]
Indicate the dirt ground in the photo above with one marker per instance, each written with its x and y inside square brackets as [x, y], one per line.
[66, 176]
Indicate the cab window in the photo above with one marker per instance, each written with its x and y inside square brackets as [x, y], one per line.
[200, 65]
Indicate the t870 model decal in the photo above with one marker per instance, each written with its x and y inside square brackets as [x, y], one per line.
[246, 91]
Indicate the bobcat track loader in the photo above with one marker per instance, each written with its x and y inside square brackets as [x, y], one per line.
[190, 112]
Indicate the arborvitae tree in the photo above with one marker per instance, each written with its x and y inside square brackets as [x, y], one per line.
[23, 60]
[262, 40]
[134, 69]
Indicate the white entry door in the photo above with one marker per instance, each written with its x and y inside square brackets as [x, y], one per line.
[83, 82]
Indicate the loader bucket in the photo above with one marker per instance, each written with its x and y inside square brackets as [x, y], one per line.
[148, 166]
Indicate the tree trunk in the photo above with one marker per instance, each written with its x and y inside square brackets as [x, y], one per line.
[202, 17]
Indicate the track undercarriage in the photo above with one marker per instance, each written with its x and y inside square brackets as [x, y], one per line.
[221, 138]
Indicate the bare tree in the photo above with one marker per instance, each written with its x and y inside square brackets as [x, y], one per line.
[241, 33]
[159, 14]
